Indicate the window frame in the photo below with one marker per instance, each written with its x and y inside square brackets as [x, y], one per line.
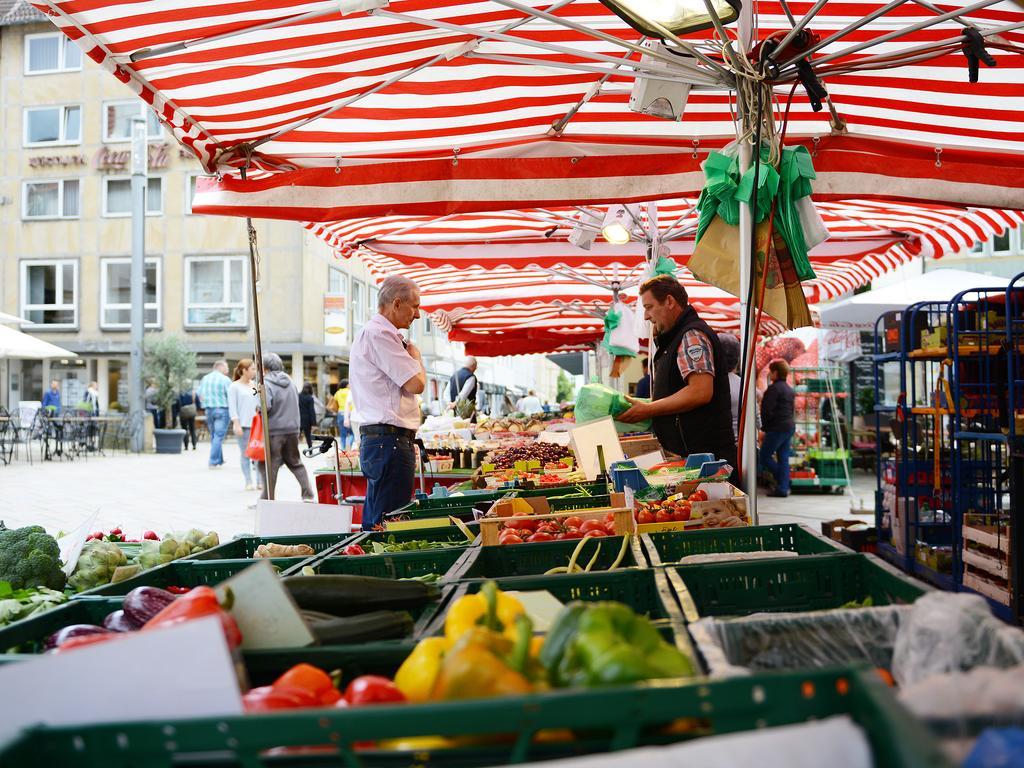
[62, 56]
[105, 261]
[146, 110]
[190, 177]
[61, 216]
[344, 276]
[61, 142]
[106, 214]
[25, 307]
[187, 282]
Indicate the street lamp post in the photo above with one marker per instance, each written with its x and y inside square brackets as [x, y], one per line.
[136, 399]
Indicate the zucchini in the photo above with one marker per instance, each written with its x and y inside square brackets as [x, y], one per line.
[378, 625]
[346, 595]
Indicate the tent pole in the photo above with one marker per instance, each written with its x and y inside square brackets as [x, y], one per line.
[749, 459]
[261, 377]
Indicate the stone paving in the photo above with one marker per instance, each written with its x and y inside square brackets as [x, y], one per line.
[178, 492]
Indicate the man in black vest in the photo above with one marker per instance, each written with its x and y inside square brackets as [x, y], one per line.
[691, 409]
[461, 383]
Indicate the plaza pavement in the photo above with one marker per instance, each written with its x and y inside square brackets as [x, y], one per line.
[172, 493]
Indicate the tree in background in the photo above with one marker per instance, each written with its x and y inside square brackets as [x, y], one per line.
[563, 388]
[172, 366]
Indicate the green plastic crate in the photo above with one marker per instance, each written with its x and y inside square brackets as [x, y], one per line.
[190, 573]
[535, 559]
[399, 565]
[28, 635]
[672, 546]
[601, 720]
[245, 546]
[815, 582]
[449, 505]
[451, 534]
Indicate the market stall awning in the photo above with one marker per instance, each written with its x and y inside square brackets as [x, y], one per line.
[501, 257]
[16, 345]
[344, 109]
[860, 312]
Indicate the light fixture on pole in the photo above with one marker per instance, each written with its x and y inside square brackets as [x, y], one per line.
[653, 17]
[617, 225]
[659, 98]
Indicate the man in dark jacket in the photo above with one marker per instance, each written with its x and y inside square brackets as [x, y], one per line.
[643, 386]
[778, 425]
[464, 382]
[691, 411]
[282, 427]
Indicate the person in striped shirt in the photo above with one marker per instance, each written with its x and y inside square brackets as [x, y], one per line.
[213, 394]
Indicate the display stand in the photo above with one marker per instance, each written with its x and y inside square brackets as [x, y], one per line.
[822, 410]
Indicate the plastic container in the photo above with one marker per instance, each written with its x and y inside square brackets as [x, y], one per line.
[535, 559]
[815, 582]
[245, 546]
[896, 739]
[672, 546]
[398, 565]
[191, 573]
[434, 507]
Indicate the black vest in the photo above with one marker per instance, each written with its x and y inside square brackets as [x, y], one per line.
[707, 429]
[458, 381]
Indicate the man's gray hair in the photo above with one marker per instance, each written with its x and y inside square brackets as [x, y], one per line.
[396, 287]
[219, 363]
[272, 362]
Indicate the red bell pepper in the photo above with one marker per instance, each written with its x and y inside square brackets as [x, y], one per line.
[372, 689]
[312, 680]
[197, 603]
[83, 640]
[353, 549]
[267, 698]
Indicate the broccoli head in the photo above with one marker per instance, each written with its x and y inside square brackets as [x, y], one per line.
[30, 557]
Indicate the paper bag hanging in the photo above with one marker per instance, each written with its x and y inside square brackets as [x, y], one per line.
[256, 450]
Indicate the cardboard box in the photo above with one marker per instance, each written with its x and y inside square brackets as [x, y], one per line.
[723, 498]
[833, 529]
[638, 446]
[490, 527]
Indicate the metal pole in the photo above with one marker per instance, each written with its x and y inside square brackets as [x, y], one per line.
[260, 373]
[137, 278]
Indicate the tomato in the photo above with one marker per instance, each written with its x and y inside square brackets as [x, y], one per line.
[525, 533]
[548, 528]
[541, 536]
[591, 525]
[663, 516]
[700, 495]
[353, 549]
[525, 524]
[596, 533]
[610, 517]
[681, 514]
[372, 689]
[510, 539]
[573, 522]
[560, 536]
[643, 517]
[573, 533]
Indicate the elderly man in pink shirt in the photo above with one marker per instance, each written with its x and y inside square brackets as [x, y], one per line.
[385, 375]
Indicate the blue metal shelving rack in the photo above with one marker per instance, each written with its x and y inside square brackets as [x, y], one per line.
[1015, 436]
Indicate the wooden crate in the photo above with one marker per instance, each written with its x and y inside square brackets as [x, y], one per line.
[490, 527]
[990, 536]
[730, 500]
[986, 585]
[999, 567]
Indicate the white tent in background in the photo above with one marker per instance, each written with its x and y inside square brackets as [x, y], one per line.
[861, 311]
[17, 345]
[8, 318]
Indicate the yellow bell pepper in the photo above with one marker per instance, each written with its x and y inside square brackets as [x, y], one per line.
[418, 673]
[476, 667]
[473, 610]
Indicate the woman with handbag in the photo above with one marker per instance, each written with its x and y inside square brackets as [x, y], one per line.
[242, 406]
[187, 402]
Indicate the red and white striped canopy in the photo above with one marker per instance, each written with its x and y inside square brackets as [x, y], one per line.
[477, 260]
[437, 106]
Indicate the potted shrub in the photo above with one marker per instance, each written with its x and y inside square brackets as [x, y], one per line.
[171, 366]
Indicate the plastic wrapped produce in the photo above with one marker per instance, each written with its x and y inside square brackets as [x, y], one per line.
[777, 641]
[595, 401]
[950, 633]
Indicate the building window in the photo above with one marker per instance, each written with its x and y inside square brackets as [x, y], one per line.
[49, 126]
[117, 196]
[51, 52]
[337, 281]
[116, 293]
[1010, 243]
[190, 191]
[358, 306]
[118, 116]
[215, 295]
[49, 293]
[57, 199]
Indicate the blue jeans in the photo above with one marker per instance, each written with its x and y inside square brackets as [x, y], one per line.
[243, 443]
[217, 421]
[346, 437]
[777, 445]
[389, 464]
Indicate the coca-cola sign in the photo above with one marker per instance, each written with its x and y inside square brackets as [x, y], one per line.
[108, 159]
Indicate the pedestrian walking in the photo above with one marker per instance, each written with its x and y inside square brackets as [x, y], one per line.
[213, 394]
[51, 399]
[188, 404]
[307, 412]
[151, 405]
[387, 375]
[342, 401]
[777, 420]
[243, 404]
[281, 433]
[92, 398]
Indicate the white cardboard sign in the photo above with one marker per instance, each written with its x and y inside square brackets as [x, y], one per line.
[183, 671]
[266, 614]
[585, 440]
[296, 518]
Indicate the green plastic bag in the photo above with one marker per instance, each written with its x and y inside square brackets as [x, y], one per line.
[595, 401]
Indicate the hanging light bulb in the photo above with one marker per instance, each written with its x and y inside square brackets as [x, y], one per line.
[616, 226]
[652, 17]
